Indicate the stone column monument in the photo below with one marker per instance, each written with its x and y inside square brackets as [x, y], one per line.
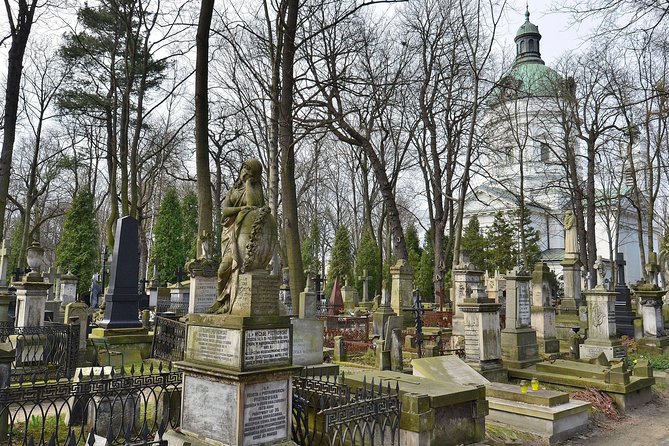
[307, 329]
[567, 320]
[32, 291]
[5, 297]
[467, 281]
[349, 295]
[543, 313]
[601, 321]
[519, 339]
[482, 333]
[401, 291]
[238, 361]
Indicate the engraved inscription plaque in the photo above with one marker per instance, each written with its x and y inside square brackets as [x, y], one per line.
[267, 347]
[202, 294]
[214, 345]
[265, 412]
[524, 313]
[210, 409]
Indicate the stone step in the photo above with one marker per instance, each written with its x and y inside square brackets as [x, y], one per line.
[547, 398]
[572, 368]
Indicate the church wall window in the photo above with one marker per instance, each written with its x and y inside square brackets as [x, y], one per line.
[545, 152]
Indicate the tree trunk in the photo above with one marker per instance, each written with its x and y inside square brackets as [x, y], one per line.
[204, 201]
[286, 142]
[20, 31]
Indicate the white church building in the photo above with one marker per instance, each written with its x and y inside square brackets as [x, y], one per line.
[520, 160]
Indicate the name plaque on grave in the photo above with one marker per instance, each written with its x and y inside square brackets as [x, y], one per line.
[524, 312]
[203, 292]
[265, 412]
[592, 351]
[266, 347]
[214, 345]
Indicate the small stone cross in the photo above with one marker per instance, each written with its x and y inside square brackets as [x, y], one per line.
[652, 268]
[620, 263]
[365, 285]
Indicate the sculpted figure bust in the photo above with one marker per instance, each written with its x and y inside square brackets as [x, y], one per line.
[248, 234]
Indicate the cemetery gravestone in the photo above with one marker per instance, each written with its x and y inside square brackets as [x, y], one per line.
[349, 296]
[284, 291]
[625, 316]
[567, 318]
[202, 290]
[308, 330]
[402, 291]
[5, 297]
[601, 321]
[381, 315]
[543, 313]
[519, 340]
[31, 292]
[649, 296]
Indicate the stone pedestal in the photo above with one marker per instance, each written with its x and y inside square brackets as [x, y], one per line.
[543, 313]
[380, 319]
[467, 284]
[654, 334]
[68, 288]
[31, 301]
[601, 325]
[401, 295]
[482, 337]
[5, 300]
[567, 317]
[132, 344]
[519, 340]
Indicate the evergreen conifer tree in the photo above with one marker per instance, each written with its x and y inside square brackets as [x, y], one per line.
[368, 257]
[413, 247]
[189, 210]
[502, 250]
[475, 244]
[169, 249]
[341, 259]
[310, 249]
[531, 252]
[77, 251]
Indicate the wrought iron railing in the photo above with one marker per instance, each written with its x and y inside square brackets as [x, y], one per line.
[124, 408]
[42, 353]
[327, 412]
[169, 339]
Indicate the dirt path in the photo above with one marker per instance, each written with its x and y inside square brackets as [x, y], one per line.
[645, 426]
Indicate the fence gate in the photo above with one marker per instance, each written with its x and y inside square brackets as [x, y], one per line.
[329, 413]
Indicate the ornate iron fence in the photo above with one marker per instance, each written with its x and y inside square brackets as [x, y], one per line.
[327, 412]
[169, 339]
[42, 353]
[123, 408]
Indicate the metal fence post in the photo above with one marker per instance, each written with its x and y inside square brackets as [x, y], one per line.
[7, 355]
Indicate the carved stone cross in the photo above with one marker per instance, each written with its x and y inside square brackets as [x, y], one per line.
[365, 285]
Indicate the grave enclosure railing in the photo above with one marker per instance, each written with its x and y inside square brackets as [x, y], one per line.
[42, 353]
[128, 407]
[327, 412]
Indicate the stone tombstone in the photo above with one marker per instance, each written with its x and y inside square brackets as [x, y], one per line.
[543, 313]
[4, 262]
[68, 288]
[349, 295]
[602, 338]
[284, 290]
[307, 329]
[396, 358]
[625, 315]
[365, 285]
[202, 293]
[180, 297]
[401, 297]
[467, 284]
[482, 335]
[567, 315]
[381, 315]
[122, 297]
[519, 340]
[31, 292]
[78, 311]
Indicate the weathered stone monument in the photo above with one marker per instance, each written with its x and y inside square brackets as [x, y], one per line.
[366, 302]
[120, 326]
[601, 321]
[180, 294]
[202, 290]
[349, 296]
[482, 331]
[284, 291]
[649, 296]
[543, 313]
[31, 292]
[238, 359]
[519, 339]
[567, 321]
[401, 294]
[381, 315]
[307, 329]
[466, 282]
[625, 316]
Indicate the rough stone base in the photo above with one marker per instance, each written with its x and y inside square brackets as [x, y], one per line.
[175, 438]
[519, 348]
[654, 346]
[548, 346]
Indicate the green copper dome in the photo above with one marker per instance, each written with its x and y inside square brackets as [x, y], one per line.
[527, 27]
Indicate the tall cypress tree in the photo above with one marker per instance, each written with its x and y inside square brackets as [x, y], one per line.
[475, 244]
[368, 258]
[169, 249]
[502, 245]
[341, 259]
[77, 250]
